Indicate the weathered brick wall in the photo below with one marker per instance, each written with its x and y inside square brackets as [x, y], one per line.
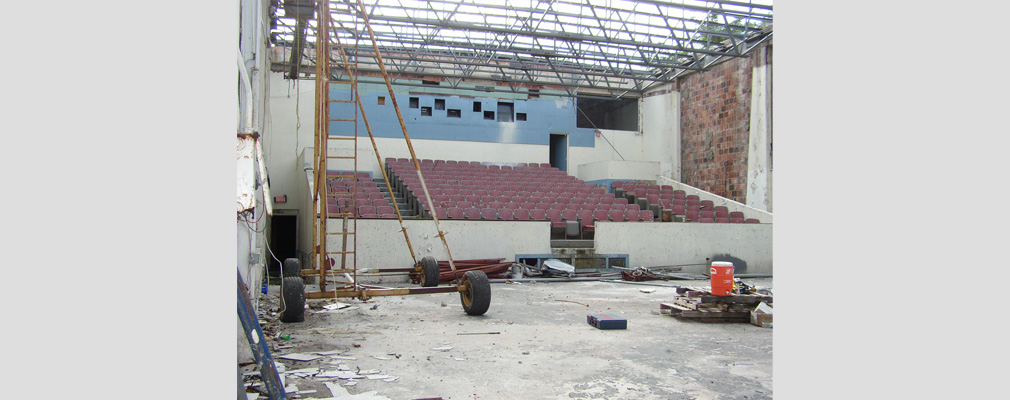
[715, 126]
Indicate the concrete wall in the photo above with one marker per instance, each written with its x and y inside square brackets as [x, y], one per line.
[657, 141]
[657, 244]
[381, 244]
[619, 170]
[660, 111]
[434, 149]
[281, 143]
[544, 116]
[759, 167]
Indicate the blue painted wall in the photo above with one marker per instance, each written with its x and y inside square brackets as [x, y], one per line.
[543, 117]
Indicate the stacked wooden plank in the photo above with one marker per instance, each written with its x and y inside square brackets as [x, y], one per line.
[700, 305]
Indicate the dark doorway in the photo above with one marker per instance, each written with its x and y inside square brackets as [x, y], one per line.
[283, 241]
[559, 151]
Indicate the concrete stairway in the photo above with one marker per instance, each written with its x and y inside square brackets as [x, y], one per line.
[401, 201]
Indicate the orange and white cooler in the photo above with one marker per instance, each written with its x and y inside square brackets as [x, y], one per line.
[722, 278]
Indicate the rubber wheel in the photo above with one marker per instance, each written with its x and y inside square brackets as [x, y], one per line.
[292, 267]
[476, 293]
[429, 271]
[292, 299]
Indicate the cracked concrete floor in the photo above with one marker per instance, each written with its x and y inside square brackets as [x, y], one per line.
[545, 348]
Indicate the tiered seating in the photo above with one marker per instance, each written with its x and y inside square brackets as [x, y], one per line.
[510, 191]
[657, 198]
[369, 203]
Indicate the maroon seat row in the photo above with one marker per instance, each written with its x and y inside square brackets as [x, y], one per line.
[690, 208]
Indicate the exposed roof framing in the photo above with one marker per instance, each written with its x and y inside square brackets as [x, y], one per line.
[613, 48]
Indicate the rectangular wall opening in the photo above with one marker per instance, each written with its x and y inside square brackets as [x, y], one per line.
[439, 104]
[451, 113]
[414, 102]
[607, 114]
[505, 112]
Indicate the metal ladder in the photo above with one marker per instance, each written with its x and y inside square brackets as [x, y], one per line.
[324, 265]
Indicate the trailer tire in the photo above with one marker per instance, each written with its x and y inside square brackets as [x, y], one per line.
[292, 299]
[291, 267]
[476, 292]
[429, 271]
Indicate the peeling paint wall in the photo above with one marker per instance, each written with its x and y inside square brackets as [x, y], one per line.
[246, 170]
[660, 113]
[759, 173]
[659, 244]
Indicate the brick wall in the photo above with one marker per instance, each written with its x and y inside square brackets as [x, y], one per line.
[715, 126]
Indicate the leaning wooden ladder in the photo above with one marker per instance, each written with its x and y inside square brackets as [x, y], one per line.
[323, 265]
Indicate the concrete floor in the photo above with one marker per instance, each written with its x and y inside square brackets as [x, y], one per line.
[545, 349]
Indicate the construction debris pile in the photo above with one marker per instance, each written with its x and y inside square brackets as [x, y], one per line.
[642, 274]
[698, 304]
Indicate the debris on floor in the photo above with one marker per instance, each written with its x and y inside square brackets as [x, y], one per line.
[555, 267]
[697, 304]
[761, 315]
[642, 274]
[337, 306]
[299, 357]
[574, 302]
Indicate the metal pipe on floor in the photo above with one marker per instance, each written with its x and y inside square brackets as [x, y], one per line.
[584, 279]
[643, 283]
[576, 279]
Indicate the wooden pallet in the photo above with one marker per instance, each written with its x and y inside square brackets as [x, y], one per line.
[702, 306]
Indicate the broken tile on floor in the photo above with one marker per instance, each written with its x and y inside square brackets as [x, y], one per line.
[391, 379]
[299, 357]
[368, 372]
[328, 353]
[304, 371]
[446, 348]
[336, 306]
[339, 374]
[377, 376]
[381, 358]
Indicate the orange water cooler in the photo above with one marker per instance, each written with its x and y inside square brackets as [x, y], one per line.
[722, 278]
